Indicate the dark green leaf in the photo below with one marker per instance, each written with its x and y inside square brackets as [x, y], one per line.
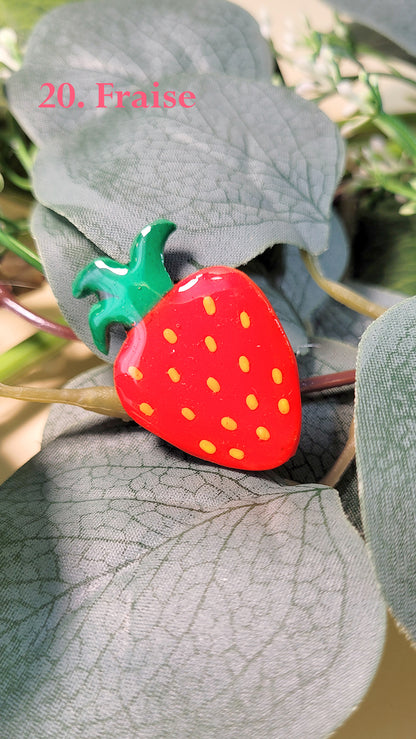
[384, 246]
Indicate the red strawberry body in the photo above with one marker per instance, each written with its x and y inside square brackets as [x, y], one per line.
[210, 370]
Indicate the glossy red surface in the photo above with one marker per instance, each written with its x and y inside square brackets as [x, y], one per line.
[210, 370]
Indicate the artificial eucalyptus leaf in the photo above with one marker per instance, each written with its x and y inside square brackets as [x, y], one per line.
[149, 594]
[386, 454]
[326, 421]
[396, 21]
[64, 251]
[129, 43]
[296, 283]
[283, 277]
[367, 37]
[248, 166]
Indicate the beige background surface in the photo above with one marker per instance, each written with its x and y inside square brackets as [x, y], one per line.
[389, 709]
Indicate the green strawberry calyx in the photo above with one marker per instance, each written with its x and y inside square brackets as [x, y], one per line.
[126, 292]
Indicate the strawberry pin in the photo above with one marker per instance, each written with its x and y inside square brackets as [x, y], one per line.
[206, 364]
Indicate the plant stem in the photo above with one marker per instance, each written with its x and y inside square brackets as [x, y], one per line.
[93, 397]
[396, 76]
[21, 250]
[7, 301]
[17, 226]
[24, 156]
[23, 183]
[28, 353]
[342, 294]
[101, 399]
[326, 382]
[394, 186]
[387, 75]
[343, 462]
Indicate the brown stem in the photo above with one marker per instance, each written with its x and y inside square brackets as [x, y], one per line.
[325, 382]
[343, 462]
[7, 301]
[100, 399]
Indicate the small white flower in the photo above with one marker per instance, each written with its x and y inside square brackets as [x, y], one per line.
[304, 88]
[350, 109]
[346, 89]
[378, 145]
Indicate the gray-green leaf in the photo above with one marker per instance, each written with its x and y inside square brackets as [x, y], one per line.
[130, 43]
[386, 454]
[326, 420]
[249, 166]
[148, 594]
[296, 283]
[397, 22]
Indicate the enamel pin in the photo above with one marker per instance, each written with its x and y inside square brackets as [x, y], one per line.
[206, 364]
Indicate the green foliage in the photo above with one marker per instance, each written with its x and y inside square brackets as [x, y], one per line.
[385, 251]
[21, 15]
[386, 457]
[332, 63]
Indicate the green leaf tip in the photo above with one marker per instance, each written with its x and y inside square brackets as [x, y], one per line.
[126, 292]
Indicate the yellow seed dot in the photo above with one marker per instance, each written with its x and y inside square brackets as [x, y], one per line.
[170, 336]
[213, 384]
[174, 374]
[263, 433]
[209, 305]
[135, 373]
[252, 402]
[283, 406]
[236, 453]
[244, 364]
[228, 423]
[245, 319]
[277, 376]
[146, 409]
[210, 343]
[188, 414]
[207, 446]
